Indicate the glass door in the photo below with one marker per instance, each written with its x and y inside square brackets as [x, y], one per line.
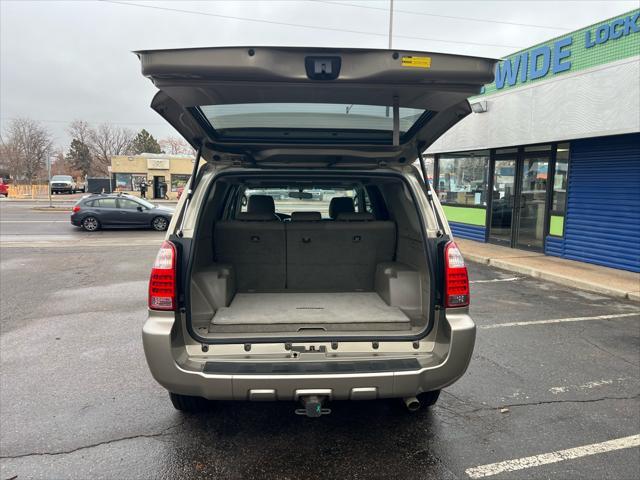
[531, 203]
[503, 201]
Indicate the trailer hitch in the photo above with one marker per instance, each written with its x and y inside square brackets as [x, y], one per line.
[312, 406]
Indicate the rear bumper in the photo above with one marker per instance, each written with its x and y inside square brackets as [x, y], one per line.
[398, 376]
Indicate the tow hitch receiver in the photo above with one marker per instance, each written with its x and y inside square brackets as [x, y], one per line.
[313, 406]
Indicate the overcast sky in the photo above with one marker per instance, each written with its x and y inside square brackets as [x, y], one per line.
[66, 60]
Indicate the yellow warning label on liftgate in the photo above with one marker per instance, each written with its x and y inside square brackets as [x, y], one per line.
[418, 62]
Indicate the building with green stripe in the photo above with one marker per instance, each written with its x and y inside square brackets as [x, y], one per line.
[550, 158]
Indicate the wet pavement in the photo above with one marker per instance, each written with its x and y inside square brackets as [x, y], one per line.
[77, 400]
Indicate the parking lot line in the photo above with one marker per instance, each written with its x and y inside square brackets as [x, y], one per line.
[560, 320]
[553, 457]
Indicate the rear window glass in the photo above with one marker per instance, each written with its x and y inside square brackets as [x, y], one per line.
[105, 203]
[288, 200]
[308, 117]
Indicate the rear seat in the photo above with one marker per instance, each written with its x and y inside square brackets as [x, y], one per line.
[340, 254]
[306, 253]
[254, 244]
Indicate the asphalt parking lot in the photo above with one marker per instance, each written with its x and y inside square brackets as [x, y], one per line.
[555, 371]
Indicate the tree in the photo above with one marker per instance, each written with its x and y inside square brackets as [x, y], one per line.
[80, 130]
[79, 157]
[106, 141]
[60, 165]
[145, 143]
[26, 145]
[175, 146]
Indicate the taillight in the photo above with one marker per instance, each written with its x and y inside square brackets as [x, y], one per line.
[456, 278]
[162, 284]
[76, 209]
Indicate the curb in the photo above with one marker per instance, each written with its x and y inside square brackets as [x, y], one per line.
[52, 209]
[552, 277]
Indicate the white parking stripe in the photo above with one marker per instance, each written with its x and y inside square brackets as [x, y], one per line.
[510, 279]
[34, 221]
[553, 457]
[561, 320]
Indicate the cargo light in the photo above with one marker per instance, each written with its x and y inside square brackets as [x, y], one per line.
[456, 277]
[162, 284]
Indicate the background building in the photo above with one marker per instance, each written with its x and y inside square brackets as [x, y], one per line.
[550, 158]
[172, 171]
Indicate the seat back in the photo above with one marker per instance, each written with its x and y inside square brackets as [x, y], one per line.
[339, 255]
[255, 249]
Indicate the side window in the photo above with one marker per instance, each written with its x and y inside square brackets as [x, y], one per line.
[128, 204]
[361, 196]
[106, 203]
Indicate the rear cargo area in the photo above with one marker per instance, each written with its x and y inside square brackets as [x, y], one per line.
[304, 275]
[307, 309]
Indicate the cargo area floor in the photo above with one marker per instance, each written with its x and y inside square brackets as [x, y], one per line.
[308, 308]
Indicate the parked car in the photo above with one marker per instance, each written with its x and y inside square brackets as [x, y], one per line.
[4, 188]
[93, 212]
[366, 300]
[66, 184]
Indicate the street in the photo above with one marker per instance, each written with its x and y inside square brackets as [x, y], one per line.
[553, 369]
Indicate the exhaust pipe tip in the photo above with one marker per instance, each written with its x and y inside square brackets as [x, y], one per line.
[412, 404]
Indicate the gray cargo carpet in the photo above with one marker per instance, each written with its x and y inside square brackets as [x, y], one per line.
[316, 308]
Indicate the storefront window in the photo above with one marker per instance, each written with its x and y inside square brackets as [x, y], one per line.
[537, 148]
[560, 179]
[123, 181]
[178, 181]
[428, 163]
[462, 178]
[128, 182]
[136, 180]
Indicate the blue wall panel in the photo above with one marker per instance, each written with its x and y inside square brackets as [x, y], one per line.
[464, 230]
[602, 224]
[554, 246]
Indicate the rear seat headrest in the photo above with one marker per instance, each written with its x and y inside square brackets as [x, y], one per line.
[261, 204]
[355, 217]
[340, 205]
[306, 216]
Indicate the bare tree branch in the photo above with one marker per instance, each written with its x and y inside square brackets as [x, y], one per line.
[106, 141]
[25, 146]
[176, 146]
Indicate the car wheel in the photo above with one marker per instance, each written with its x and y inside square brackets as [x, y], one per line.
[160, 224]
[90, 224]
[187, 403]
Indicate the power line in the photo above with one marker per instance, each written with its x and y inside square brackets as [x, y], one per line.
[296, 25]
[470, 19]
[96, 122]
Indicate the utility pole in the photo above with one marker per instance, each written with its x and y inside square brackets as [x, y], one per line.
[49, 177]
[390, 24]
[390, 36]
